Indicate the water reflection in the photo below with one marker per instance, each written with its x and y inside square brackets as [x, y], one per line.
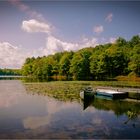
[119, 107]
[59, 115]
[71, 93]
[52, 107]
[87, 101]
[127, 113]
[8, 94]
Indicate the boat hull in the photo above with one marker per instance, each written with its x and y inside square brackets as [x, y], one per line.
[85, 95]
[113, 94]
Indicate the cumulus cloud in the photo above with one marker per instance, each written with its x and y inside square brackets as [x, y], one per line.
[11, 56]
[109, 17]
[35, 26]
[91, 42]
[54, 45]
[98, 29]
[112, 39]
[26, 9]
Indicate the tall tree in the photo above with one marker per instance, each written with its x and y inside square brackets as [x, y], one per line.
[134, 64]
[27, 68]
[80, 64]
[135, 40]
[64, 63]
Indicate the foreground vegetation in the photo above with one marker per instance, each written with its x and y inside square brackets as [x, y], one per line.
[61, 90]
[99, 63]
[69, 91]
[94, 84]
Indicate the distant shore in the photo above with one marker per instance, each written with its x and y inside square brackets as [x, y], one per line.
[11, 76]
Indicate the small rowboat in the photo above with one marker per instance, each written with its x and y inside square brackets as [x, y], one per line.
[111, 93]
[105, 93]
[87, 92]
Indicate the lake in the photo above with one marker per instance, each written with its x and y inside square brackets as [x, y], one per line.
[27, 113]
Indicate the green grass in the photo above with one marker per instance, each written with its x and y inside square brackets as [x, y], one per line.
[69, 90]
[59, 90]
[131, 84]
[117, 83]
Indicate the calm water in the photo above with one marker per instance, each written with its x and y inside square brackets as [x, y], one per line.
[25, 115]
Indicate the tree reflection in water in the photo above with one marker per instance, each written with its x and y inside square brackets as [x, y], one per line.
[71, 93]
[119, 107]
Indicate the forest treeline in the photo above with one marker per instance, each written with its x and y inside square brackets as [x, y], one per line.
[10, 72]
[93, 63]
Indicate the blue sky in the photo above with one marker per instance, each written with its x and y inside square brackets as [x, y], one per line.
[37, 28]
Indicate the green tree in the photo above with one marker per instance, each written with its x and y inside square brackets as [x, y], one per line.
[101, 62]
[117, 61]
[121, 42]
[27, 67]
[135, 40]
[65, 63]
[134, 64]
[108, 63]
[80, 64]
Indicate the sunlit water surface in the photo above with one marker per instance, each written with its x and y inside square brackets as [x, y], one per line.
[25, 115]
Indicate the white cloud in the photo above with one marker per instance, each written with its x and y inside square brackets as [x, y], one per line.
[13, 57]
[91, 42]
[10, 56]
[112, 39]
[35, 26]
[109, 17]
[98, 29]
[54, 45]
[26, 9]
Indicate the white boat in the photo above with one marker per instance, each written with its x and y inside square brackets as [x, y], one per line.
[111, 93]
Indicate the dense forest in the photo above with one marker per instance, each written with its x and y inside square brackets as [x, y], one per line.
[10, 72]
[93, 63]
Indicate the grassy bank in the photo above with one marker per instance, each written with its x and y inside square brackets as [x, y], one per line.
[69, 90]
[130, 77]
[131, 84]
[64, 91]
